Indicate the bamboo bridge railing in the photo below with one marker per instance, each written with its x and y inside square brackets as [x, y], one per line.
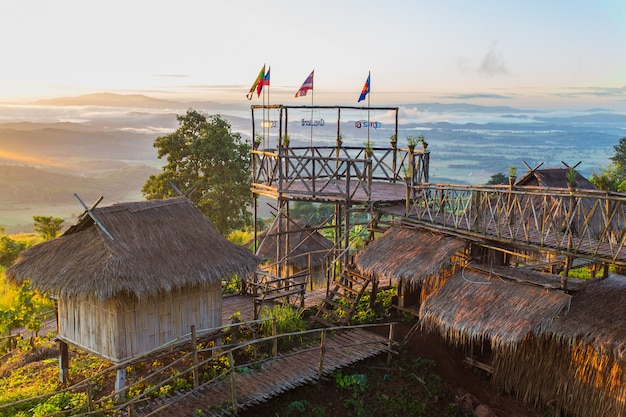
[579, 223]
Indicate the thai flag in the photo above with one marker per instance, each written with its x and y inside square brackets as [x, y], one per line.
[306, 86]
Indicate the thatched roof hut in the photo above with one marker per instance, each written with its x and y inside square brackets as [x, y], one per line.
[553, 178]
[157, 246]
[474, 306]
[305, 243]
[137, 278]
[579, 363]
[407, 254]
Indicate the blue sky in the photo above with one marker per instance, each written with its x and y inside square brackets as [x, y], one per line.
[541, 53]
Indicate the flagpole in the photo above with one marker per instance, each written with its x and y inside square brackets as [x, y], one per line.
[368, 104]
[312, 92]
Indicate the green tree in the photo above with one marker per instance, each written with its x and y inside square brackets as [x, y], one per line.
[9, 248]
[48, 227]
[497, 179]
[613, 177]
[211, 164]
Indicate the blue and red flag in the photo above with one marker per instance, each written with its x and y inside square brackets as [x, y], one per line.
[366, 89]
[306, 85]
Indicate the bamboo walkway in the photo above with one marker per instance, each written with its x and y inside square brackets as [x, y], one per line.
[285, 372]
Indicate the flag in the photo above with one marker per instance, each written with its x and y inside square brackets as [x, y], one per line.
[306, 86]
[259, 78]
[264, 81]
[366, 89]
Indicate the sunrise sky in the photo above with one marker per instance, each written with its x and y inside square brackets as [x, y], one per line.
[568, 52]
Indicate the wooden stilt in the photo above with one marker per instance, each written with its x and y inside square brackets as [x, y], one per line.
[64, 362]
[120, 384]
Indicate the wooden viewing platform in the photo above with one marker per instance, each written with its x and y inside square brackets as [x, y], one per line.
[579, 223]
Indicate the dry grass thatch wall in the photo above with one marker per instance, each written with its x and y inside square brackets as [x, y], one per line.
[122, 327]
[579, 363]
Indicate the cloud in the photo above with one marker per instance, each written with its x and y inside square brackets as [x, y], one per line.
[493, 63]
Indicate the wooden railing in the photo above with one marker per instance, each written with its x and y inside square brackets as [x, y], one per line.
[185, 357]
[581, 223]
[339, 172]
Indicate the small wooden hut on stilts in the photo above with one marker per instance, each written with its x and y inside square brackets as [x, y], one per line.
[134, 276]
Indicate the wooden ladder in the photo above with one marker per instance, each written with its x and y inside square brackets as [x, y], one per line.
[348, 287]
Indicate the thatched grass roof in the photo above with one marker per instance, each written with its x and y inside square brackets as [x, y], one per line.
[597, 317]
[404, 253]
[476, 306]
[303, 240]
[157, 246]
[553, 178]
[579, 363]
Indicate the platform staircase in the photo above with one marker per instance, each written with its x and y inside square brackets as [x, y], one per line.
[343, 296]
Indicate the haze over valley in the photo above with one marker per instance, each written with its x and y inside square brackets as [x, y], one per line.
[102, 144]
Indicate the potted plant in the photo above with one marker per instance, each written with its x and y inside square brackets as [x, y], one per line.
[407, 175]
[369, 147]
[422, 139]
[393, 140]
[512, 175]
[412, 142]
[571, 178]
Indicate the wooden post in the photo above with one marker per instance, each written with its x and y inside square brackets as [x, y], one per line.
[320, 367]
[64, 362]
[374, 293]
[275, 339]
[390, 342]
[89, 398]
[120, 384]
[233, 385]
[196, 377]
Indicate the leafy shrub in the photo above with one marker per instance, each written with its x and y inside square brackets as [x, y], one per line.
[62, 401]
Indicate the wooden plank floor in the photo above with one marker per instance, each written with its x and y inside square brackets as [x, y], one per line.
[381, 192]
[244, 304]
[285, 372]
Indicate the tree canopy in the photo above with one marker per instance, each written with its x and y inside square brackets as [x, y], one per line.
[498, 179]
[208, 163]
[613, 177]
[48, 227]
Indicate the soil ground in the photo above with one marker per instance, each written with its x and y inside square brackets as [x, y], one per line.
[460, 385]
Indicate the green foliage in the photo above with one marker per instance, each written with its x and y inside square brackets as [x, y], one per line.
[9, 249]
[231, 286]
[22, 307]
[312, 213]
[62, 401]
[613, 177]
[48, 227]
[205, 156]
[498, 179]
[288, 320]
[240, 237]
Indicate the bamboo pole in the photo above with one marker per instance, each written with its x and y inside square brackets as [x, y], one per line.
[275, 339]
[390, 342]
[194, 348]
[233, 384]
[320, 367]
